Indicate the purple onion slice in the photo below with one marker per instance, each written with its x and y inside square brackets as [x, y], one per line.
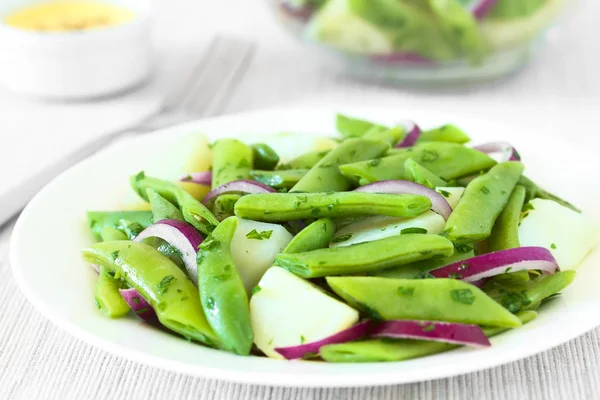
[241, 186]
[201, 178]
[447, 332]
[138, 304]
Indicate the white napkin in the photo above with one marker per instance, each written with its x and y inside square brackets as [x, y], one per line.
[34, 134]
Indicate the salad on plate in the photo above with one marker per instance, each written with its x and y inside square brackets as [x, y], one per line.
[383, 243]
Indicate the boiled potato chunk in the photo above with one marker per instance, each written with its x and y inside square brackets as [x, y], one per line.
[287, 311]
[569, 235]
[451, 194]
[254, 247]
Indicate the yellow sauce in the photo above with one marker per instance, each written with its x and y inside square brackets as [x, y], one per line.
[69, 16]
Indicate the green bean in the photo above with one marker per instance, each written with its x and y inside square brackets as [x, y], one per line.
[315, 236]
[390, 136]
[274, 207]
[505, 233]
[528, 295]
[439, 299]
[130, 228]
[365, 257]
[280, 179]
[484, 199]
[106, 292]
[534, 191]
[420, 269]
[445, 133]
[264, 156]
[162, 208]
[169, 291]
[376, 350]
[305, 161]
[224, 205]
[222, 291]
[447, 160]
[98, 220]
[193, 211]
[325, 175]
[232, 161]
[415, 172]
[350, 127]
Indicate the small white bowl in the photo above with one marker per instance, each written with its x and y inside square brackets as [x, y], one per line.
[76, 65]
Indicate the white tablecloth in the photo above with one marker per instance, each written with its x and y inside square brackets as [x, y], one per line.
[558, 94]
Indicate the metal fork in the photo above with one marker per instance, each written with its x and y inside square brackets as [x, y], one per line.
[203, 93]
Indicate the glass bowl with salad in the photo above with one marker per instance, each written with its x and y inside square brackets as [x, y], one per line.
[423, 40]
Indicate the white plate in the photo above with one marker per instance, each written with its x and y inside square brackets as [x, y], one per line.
[46, 244]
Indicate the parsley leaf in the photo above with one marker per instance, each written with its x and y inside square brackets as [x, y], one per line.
[254, 234]
[342, 238]
[413, 230]
[163, 286]
[464, 296]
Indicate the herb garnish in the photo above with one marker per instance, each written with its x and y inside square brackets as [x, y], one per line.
[444, 193]
[464, 296]
[413, 230]
[163, 286]
[342, 238]
[254, 234]
[484, 190]
[405, 291]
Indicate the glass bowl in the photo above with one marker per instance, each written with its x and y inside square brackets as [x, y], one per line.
[422, 41]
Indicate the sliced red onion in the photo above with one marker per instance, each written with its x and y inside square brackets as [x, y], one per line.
[353, 333]
[201, 178]
[242, 186]
[180, 235]
[499, 262]
[446, 332]
[509, 153]
[400, 58]
[438, 203]
[302, 13]
[138, 304]
[414, 132]
[481, 8]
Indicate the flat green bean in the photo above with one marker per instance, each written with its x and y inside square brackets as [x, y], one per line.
[305, 161]
[350, 127]
[420, 269]
[193, 211]
[162, 208]
[376, 350]
[224, 205]
[279, 179]
[365, 257]
[482, 202]
[534, 191]
[232, 161]
[445, 133]
[274, 207]
[515, 296]
[315, 236]
[106, 292]
[222, 291]
[505, 233]
[447, 160]
[439, 299]
[169, 291]
[325, 175]
[98, 220]
[390, 136]
[415, 172]
[264, 156]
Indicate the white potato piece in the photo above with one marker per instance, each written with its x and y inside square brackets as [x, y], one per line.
[569, 235]
[381, 227]
[252, 257]
[453, 194]
[289, 311]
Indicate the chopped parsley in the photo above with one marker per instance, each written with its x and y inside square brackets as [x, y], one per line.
[163, 286]
[405, 291]
[256, 289]
[527, 207]
[374, 163]
[254, 234]
[302, 339]
[315, 211]
[464, 296]
[553, 246]
[428, 328]
[114, 255]
[429, 156]
[484, 190]
[464, 248]
[444, 193]
[141, 175]
[455, 275]
[413, 230]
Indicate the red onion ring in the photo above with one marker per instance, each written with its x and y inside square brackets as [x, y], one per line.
[481, 8]
[241, 186]
[509, 153]
[414, 132]
[447, 332]
[499, 262]
[438, 203]
[138, 304]
[201, 178]
[353, 333]
[180, 235]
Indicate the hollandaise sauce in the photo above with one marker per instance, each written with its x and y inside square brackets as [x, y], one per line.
[69, 16]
